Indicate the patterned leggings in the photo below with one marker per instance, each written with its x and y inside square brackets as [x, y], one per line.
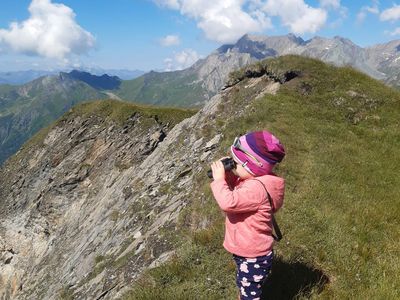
[251, 273]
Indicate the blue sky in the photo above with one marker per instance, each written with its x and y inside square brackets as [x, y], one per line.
[171, 34]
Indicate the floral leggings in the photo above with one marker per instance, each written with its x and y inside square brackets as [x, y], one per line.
[251, 273]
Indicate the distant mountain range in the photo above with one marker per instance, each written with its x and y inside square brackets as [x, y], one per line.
[193, 86]
[22, 77]
[24, 109]
[103, 82]
[121, 73]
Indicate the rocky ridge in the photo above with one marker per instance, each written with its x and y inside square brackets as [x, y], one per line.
[338, 51]
[91, 203]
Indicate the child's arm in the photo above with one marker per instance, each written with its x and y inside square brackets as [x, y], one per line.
[231, 179]
[246, 198]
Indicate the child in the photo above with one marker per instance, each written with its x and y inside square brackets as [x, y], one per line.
[243, 197]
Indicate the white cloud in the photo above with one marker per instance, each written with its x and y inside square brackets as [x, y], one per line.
[390, 14]
[173, 4]
[335, 4]
[362, 14]
[181, 60]
[395, 32]
[341, 11]
[225, 21]
[170, 40]
[51, 31]
[297, 15]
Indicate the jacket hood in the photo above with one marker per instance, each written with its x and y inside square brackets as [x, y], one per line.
[276, 188]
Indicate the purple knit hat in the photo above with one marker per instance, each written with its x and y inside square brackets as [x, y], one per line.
[263, 149]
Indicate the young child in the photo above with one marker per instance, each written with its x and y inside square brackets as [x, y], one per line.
[243, 197]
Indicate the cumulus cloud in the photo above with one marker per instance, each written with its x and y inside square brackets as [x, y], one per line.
[221, 20]
[173, 4]
[51, 31]
[227, 20]
[170, 40]
[181, 60]
[390, 14]
[365, 10]
[335, 4]
[337, 7]
[394, 32]
[297, 15]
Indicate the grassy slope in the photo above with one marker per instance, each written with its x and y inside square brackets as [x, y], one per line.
[167, 88]
[6, 97]
[119, 111]
[341, 214]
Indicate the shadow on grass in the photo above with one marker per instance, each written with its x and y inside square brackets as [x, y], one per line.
[289, 280]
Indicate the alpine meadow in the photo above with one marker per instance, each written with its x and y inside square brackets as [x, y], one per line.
[341, 213]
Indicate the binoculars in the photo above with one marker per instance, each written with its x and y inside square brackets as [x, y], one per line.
[229, 164]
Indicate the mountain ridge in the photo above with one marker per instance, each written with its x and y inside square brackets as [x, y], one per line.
[103, 82]
[210, 73]
[23, 77]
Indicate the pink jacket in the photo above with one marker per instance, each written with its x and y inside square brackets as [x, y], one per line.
[248, 223]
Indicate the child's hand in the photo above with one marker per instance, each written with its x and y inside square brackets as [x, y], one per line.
[218, 170]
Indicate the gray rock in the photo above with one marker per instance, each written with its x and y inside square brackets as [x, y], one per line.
[212, 144]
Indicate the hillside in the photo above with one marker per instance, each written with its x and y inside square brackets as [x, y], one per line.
[179, 89]
[25, 109]
[336, 124]
[108, 192]
[66, 192]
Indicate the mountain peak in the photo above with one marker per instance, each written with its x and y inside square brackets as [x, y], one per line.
[103, 82]
[251, 38]
[343, 40]
[268, 39]
[295, 38]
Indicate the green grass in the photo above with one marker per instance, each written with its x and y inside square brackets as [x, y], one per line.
[341, 214]
[119, 111]
[177, 89]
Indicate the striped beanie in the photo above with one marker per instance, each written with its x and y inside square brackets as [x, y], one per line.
[263, 146]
